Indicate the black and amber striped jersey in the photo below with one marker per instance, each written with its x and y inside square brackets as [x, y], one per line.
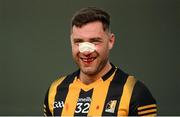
[114, 94]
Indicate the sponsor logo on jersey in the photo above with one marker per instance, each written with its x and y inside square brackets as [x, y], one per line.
[110, 106]
[86, 99]
[58, 104]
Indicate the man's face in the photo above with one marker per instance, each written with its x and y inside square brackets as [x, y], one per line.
[91, 63]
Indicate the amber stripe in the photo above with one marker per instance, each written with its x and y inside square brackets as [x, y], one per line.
[147, 111]
[126, 96]
[98, 98]
[147, 106]
[71, 100]
[150, 115]
[52, 93]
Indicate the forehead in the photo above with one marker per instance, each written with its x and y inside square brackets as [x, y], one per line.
[89, 30]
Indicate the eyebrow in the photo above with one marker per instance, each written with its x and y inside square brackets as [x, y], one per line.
[77, 39]
[95, 39]
[90, 39]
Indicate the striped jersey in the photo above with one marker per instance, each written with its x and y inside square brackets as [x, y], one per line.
[114, 94]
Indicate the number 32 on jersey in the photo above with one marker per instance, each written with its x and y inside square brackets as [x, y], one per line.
[82, 107]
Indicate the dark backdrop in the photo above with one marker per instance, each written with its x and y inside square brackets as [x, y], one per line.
[35, 48]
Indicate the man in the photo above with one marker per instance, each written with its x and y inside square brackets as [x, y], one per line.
[98, 88]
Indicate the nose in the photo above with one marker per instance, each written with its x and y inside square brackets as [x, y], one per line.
[86, 48]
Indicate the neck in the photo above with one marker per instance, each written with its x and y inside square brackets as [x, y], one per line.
[88, 79]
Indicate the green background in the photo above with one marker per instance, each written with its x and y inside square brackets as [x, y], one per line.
[35, 48]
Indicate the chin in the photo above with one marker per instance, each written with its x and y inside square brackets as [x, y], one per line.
[89, 72]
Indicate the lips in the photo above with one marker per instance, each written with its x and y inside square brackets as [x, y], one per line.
[88, 60]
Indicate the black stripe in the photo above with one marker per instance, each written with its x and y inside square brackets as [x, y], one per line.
[115, 91]
[147, 109]
[149, 112]
[62, 91]
[83, 103]
[109, 73]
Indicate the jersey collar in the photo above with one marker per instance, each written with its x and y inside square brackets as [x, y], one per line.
[109, 73]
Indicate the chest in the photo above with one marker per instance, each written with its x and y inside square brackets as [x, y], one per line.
[101, 100]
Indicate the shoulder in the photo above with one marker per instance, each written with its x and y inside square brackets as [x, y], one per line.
[142, 101]
[63, 81]
[58, 81]
[142, 93]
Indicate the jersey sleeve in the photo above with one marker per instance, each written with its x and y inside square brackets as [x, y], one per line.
[142, 102]
[46, 110]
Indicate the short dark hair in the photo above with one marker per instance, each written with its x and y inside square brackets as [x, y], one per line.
[90, 14]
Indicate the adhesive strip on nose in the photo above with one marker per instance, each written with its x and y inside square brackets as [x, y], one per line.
[86, 46]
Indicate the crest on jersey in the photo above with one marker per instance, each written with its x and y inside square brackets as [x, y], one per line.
[110, 106]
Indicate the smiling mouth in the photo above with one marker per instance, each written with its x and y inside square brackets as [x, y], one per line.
[88, 60]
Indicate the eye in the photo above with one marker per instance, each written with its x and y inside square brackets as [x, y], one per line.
[77, 41]
[96, 41]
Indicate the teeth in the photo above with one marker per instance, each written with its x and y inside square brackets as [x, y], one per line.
[87, 59]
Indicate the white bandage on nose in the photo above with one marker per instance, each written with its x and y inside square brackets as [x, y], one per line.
[87, 47]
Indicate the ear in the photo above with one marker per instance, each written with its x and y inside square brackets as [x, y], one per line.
[111, 40]
[71, 39]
